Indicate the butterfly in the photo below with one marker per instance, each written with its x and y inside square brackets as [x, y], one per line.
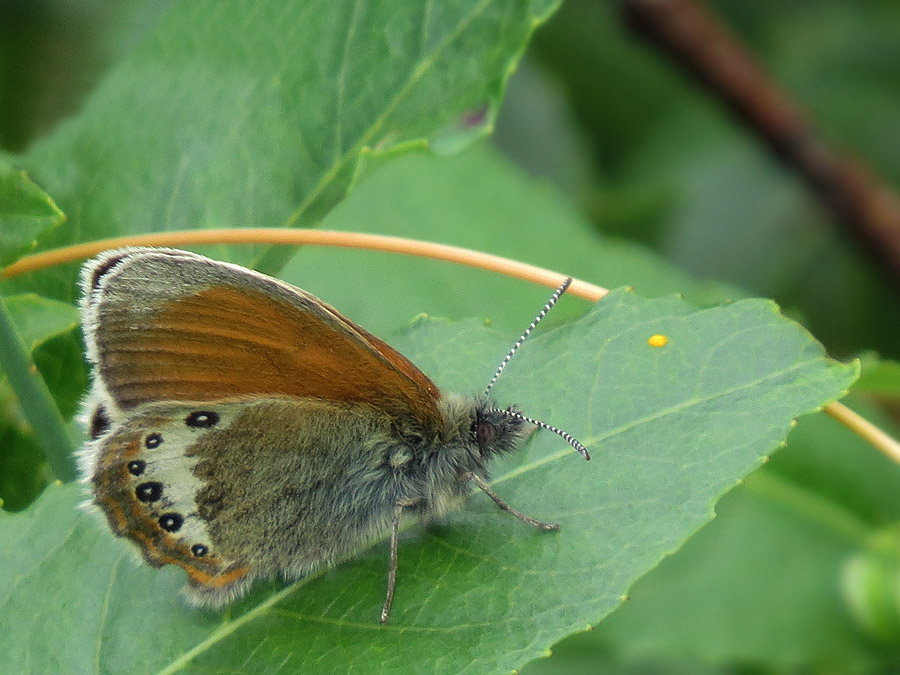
[240, 428]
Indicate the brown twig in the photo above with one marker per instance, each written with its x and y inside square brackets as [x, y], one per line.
[703, 45]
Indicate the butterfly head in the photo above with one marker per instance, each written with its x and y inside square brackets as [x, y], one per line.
[474, 433]
[497, 426]
[481, 430]
[498, 431]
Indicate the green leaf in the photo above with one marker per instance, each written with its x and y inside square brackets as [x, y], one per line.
[234, 114]
[670, 429]
[822, 512]
[39, 319]
[26, 213]
[478, 200]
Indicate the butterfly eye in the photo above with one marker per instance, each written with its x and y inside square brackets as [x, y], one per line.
[485, 433]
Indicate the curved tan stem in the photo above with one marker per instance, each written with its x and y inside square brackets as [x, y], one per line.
[864, 428]
[377, 242]
[374, 242]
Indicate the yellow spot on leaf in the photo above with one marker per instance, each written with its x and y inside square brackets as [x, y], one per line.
[658, 341]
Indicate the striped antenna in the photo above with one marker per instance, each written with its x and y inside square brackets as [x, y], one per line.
[546, 308]
[570, 439]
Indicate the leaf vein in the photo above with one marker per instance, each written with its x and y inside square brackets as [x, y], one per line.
[104, 614]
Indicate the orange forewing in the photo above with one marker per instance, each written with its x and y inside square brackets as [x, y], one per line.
[224, 342]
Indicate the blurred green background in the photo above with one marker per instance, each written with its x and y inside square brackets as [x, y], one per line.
[799, 573]
[642, 150]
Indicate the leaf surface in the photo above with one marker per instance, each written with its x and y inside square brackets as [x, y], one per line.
[26, 212]
[39, 319]
[791, 537]
[670, 429]
[231, 115]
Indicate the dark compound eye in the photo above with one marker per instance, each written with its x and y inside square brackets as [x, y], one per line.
[485, 433]
[171, 522]
[136, 467]
[149, 492]
[199, 550]
[153, 441]
[202, 419]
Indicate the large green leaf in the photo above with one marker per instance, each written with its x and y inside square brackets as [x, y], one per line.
[478, 200]
[39, 319]
[792, 536]
[255, 114]
[670, 429]
[26, 212]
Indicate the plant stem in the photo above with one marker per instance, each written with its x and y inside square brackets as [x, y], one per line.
[463, 256]
[37, 404]
[865, 429]
[377, 242]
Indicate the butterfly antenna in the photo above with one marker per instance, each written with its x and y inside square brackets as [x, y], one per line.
[546, 308]
[571, 440]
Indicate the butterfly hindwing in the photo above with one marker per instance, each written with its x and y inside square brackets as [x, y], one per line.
[143, 479]
[235, 490]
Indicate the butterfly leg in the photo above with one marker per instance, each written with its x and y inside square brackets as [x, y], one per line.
[506, 507]
[392, 566]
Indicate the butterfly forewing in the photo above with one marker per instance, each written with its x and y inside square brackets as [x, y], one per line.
[164, 326]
